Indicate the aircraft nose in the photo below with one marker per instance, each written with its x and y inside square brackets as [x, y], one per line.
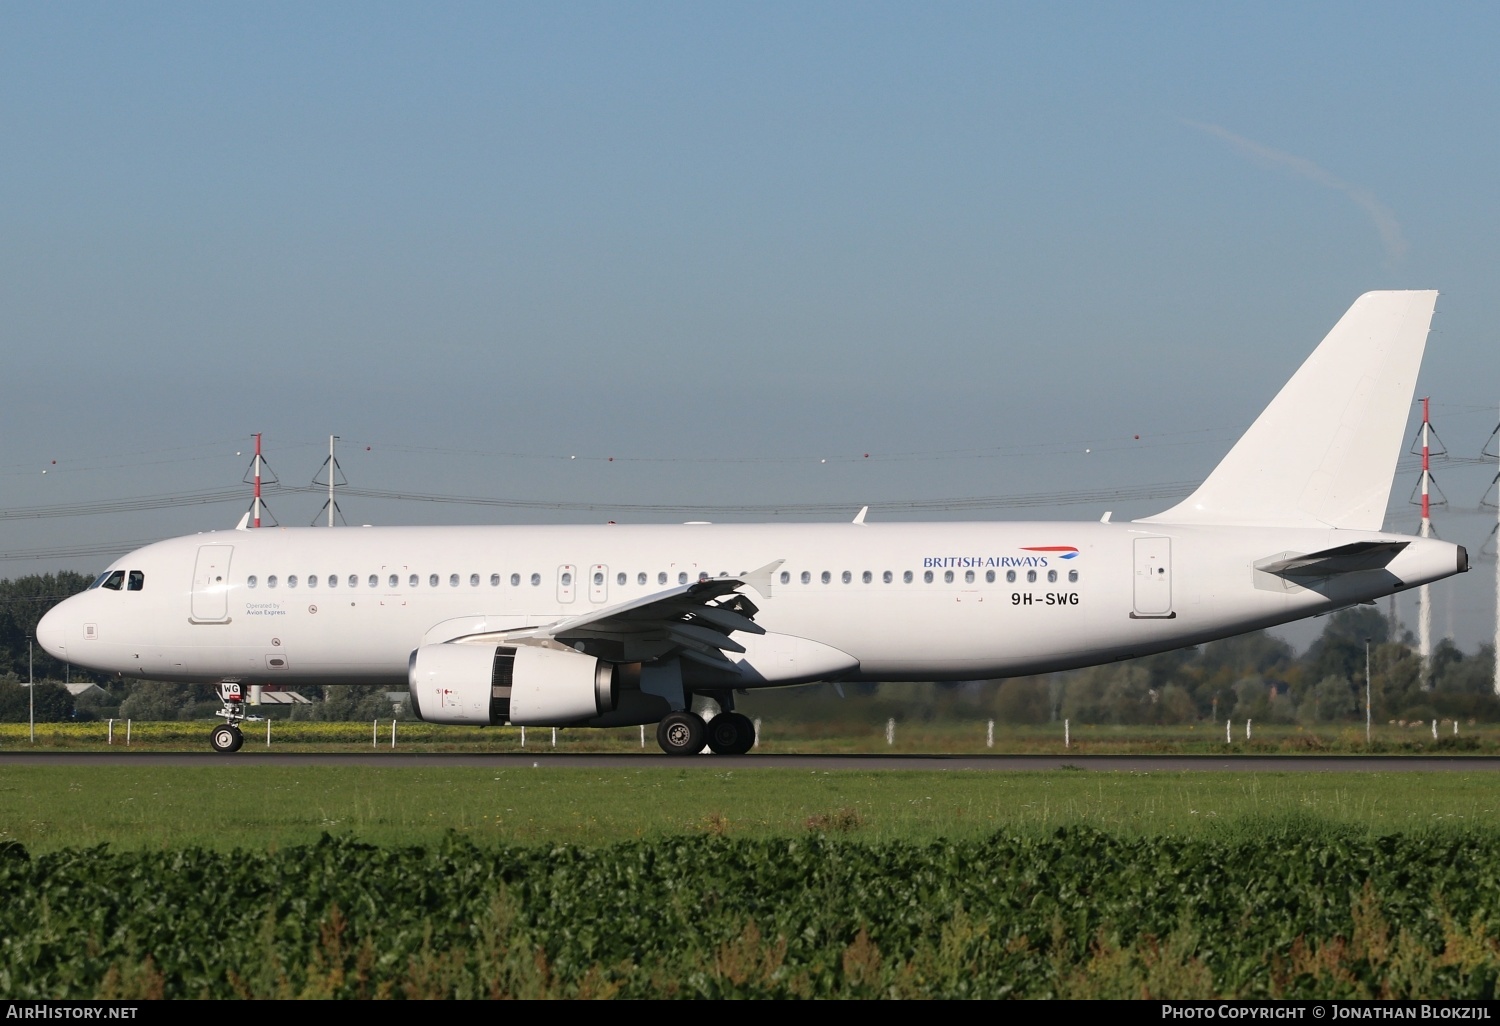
[52, 633]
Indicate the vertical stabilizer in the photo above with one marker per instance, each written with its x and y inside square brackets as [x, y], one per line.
[1324, 452]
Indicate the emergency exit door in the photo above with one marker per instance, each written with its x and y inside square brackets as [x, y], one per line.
[1153, 578]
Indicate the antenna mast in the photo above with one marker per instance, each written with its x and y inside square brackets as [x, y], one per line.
[1424, 598]
[260, 474]
[335, 478]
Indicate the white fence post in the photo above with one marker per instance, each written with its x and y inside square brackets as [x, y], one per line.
[1434, 730]
[112, 731]
[1228, 736]
[890, 731]
[643, 735]
[374, 732]
[1067, 739]
[1247, 730]
[989, 735]
[523, 737]
[554, 737]
[268, 730]
[757, 731]
[127, 733]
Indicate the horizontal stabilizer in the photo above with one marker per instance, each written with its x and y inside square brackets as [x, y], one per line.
[1353, 558]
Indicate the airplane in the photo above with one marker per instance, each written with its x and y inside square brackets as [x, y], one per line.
[612, 625]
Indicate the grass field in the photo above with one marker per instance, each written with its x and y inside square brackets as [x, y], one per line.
[245, 805]
[777, 737]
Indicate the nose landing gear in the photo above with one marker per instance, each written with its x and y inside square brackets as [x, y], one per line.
[227, 737]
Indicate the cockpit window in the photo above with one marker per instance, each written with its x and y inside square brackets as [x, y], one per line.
[99, 580]
[136, 582]
[115, 581]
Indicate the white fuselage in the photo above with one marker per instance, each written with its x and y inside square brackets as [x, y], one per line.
[940, 602]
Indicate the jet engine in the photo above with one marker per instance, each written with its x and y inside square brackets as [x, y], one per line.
[524, 685]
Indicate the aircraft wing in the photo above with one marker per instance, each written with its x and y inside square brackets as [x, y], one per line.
[1353, 558]
[693, 620]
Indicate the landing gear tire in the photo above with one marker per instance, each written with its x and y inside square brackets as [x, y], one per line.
[681, 733]
[226, 739]
[731, 734]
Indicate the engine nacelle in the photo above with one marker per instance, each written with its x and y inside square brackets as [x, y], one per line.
[524, 685]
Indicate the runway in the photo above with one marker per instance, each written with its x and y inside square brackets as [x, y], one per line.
[812, 763]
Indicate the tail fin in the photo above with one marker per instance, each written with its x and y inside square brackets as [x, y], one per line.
[1323, 453]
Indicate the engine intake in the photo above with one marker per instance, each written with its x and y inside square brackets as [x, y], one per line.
[523, 685]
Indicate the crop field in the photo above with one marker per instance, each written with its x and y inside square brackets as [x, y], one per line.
[247, 878]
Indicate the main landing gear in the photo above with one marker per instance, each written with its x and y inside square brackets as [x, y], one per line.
[685, 733]
[227, 737]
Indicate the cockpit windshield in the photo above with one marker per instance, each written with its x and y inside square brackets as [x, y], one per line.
[136, 581]
[114, 581]
[99, 580]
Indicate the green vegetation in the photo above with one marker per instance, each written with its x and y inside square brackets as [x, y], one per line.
[1277, 909]
[264, 807]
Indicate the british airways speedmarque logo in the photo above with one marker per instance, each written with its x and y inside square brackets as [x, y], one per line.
[1063, 551]
[1044, 554]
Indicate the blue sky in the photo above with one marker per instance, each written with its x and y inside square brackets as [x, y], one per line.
[720, 243]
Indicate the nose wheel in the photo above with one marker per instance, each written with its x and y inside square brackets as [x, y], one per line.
[227, 737]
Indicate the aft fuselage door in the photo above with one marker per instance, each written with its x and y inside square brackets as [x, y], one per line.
[211, 584]
[1153, 578]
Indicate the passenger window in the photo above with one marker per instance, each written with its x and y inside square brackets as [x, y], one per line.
[927, 577]
[291, 580]
[661, 578]
[702, 576]
[989, 577]
[515, 580]
[536, 580]
[354, 580]
[432, 580]
[137, 581]
[333, 580]
[620, 579]
[115, 581]
[494, 580]
[270, 581]
[806, 577]
[826, 577]
[393, 581]
[1051, 576]
[599, 579]
[640, 578]
[906, 577]
[312, 580]
[567, 580]
[1010, 577]
[947, 576]
[786, 577]
[251, 581]
[867, 577]
[1031, 577]
[681, 578]
[1072, 576]
[886, 577]
[968, 577]
[453, 580]
[414, 581]
[848, 577]
[473, 580]
[374, 580]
